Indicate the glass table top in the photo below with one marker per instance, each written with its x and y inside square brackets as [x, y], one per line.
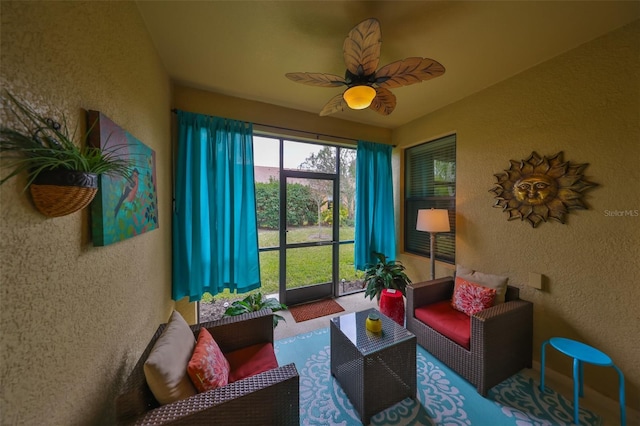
[353, 326]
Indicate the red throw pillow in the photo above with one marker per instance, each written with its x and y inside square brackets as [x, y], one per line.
[471, 298]
[208, 367]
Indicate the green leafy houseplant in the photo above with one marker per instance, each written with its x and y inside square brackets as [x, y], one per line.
[62, 175]
[40, 144]
[255, 302]
[385, 274]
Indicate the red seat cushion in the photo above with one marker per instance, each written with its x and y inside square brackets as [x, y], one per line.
[252, 360]
[447, 321]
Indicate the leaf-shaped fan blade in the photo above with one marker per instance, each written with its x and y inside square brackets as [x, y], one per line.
[408, 71]
[384, 103]
[336, 104]
[316, 79]
[362, 47]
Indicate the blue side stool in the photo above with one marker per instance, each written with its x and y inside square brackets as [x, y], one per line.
[582, 353]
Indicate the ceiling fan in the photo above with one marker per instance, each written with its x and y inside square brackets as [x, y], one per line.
[367, 87]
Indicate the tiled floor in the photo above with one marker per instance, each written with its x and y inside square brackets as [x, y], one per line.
[351, 303]
[603, 406]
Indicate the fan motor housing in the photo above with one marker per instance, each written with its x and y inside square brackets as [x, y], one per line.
[359, 80]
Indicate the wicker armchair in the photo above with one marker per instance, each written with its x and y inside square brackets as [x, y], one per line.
[267, 398]
[501, 336]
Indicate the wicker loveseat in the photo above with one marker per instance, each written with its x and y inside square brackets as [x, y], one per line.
[500, 341]
[268, 398]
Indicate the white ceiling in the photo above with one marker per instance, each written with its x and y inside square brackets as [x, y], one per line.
[244, 48]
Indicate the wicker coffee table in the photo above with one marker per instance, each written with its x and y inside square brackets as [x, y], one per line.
[374, 370]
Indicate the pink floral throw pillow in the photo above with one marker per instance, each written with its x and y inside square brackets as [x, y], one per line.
[471, 298]
[208, 367]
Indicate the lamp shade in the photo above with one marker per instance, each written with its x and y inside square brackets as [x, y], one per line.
[433, 220]
[359, 97]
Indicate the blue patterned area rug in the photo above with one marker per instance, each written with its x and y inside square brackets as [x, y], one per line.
[443, 397]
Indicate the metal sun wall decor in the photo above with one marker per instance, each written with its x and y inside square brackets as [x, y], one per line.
[125, 206]
[541, 188]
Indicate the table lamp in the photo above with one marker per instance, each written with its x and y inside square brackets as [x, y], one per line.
[432, 221]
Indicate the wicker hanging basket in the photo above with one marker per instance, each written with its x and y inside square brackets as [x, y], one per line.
[61, 192]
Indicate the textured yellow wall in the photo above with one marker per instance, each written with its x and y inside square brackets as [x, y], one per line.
[73, 317]
[585, 103]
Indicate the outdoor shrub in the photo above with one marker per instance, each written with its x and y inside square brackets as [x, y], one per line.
[301, 209]
[327, 216]
[268, 204]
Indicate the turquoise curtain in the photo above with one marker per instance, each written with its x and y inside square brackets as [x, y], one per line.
[375, 226]
[215, 234]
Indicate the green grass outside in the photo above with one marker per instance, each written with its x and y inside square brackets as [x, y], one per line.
[305, 266]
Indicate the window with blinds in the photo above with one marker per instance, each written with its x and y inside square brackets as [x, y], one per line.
[430, 182]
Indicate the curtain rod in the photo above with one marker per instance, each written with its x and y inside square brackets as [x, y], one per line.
[174, 110]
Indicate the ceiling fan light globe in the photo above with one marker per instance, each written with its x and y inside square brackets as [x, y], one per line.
[359, 97]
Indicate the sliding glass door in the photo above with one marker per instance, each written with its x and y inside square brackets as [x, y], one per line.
[310, 237]
[305, 215]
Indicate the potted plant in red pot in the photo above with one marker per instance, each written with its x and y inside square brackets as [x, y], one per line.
[387, 275]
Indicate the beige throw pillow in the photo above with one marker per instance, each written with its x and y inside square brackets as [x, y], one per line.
[497, 282]
[166, 367]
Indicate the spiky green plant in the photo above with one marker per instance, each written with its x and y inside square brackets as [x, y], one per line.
[255, 302]
[40, 144]
[385, 274]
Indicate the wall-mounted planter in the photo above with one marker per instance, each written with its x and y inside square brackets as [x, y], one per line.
[39, 145]
[61, 192]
